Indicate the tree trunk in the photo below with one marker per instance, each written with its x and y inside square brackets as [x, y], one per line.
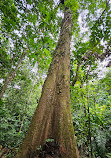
[89, 119]
[27, 104]
[76, 76]
[52, 118]
[11, 76]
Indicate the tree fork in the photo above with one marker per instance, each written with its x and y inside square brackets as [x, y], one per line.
[52, 118]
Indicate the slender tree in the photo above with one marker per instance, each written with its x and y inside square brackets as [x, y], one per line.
[11, 75]
[52, 118]
[88, 111]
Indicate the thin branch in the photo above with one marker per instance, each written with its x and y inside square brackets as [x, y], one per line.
[97, 21]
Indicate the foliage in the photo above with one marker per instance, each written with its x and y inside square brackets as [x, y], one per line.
[73, 5]
[18, 105]
[99, 103]
[33, 26]
[25, 27]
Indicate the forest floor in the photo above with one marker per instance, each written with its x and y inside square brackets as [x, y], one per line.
[49, 150]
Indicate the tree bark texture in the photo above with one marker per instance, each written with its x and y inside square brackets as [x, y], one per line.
[52, 118]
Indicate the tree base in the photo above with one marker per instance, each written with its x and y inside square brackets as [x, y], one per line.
[49, 150]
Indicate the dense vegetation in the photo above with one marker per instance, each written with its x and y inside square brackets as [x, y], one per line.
[29, 33]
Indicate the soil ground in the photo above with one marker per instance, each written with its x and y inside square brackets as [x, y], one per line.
[49, 150]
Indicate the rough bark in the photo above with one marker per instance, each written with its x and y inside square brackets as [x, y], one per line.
[11, 76]
[52, 118]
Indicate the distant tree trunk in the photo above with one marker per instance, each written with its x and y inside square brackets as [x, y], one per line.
[76, 76]
[89, 119]
[11, 75]
[26, 106]
[52, 118]
[27, 103]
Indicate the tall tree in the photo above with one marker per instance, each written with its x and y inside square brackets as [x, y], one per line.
[52, 118]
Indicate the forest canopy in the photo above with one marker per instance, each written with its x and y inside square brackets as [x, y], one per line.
[29, 35]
